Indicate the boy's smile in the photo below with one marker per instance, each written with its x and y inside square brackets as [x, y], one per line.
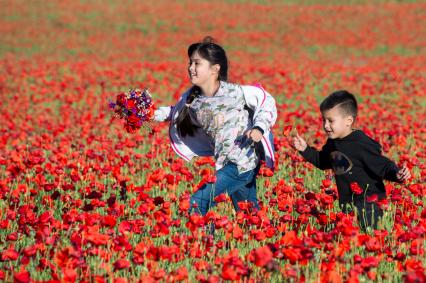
[336, 123]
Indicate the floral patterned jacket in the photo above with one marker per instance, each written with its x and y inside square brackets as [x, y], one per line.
[224, 118]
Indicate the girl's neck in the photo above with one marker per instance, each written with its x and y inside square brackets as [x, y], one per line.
[210, 89]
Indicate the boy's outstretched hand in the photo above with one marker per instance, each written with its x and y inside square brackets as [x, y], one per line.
[403, 174]
[299, 143]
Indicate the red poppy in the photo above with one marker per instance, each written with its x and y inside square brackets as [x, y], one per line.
[369, 262]
[262, 256]
[237, 233]
[229, 272]
[180, 274]
[326, 183]
[245, 205]
[287, 129]
[121, 264]
[221, 198]
[9, 255]
[356, 189]
[372, 198]
[22, 276]
[292, 254]
[69, 275]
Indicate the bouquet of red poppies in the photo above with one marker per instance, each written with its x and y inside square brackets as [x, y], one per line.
[135, 107]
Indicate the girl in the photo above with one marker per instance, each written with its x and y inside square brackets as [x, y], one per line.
[225, 120]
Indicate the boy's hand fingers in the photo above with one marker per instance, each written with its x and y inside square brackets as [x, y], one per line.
[405, 171]
[295, 143]
[404, 174]
[293, 132]
[297, 137]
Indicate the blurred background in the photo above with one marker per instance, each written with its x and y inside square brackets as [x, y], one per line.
[63, 156]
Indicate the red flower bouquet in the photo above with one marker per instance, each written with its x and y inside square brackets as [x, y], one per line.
[135, 107]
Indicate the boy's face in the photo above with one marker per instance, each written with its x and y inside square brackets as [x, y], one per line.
[336, 123]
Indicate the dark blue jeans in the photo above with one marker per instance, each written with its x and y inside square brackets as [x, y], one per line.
[240, 187]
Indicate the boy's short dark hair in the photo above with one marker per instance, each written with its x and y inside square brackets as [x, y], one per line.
[344, 99]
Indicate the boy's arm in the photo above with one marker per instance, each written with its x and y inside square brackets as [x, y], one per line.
[380, 165]
[320, 159]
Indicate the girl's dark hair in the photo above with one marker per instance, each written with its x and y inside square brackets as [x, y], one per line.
[215, 54]
[345, 100]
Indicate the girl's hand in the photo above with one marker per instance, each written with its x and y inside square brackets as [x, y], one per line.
[299, 143]
[403, 174]
[255, 135]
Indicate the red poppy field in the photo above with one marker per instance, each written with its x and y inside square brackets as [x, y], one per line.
[82, 200]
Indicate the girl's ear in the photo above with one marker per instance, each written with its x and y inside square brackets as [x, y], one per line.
[216, 68]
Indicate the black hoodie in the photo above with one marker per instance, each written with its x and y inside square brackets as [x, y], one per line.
[354, 158]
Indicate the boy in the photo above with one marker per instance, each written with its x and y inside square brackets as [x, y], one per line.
[357, 162]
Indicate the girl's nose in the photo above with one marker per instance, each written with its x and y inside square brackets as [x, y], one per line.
[191, 67]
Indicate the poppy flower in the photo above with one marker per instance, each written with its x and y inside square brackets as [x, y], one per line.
[69, 275]
[9, 255]
[262, 256]
[22, 276]
[356, 189]
[121, 264]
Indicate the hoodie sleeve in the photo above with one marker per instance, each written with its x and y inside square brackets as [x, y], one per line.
[378, 164]
[163, 113]
[320, 159]
[263, 105]
[166, 113]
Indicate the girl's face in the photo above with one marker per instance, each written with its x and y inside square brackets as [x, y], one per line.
[200, 71]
